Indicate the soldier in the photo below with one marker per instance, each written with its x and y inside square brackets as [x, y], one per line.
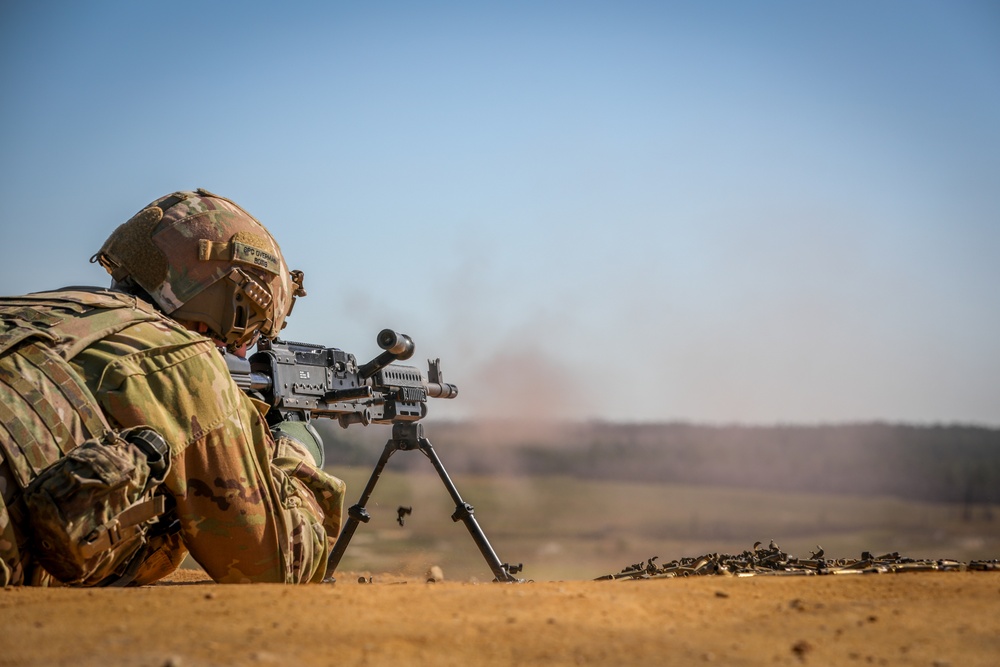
[125, 444]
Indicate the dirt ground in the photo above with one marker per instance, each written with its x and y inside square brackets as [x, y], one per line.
[929, 618]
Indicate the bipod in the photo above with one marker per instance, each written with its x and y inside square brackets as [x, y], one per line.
[408, 436]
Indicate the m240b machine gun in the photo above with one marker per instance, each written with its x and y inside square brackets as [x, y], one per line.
[302, 381]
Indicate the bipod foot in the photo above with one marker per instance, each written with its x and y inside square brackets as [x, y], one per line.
[510, 570]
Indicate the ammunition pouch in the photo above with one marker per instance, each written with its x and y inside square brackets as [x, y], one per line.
[91, 510]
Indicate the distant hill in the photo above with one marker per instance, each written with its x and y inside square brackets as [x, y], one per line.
[951, 463]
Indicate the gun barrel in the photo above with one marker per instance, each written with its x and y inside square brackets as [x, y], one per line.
[441, 390]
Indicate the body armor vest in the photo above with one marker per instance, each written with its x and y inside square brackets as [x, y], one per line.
[46, 412]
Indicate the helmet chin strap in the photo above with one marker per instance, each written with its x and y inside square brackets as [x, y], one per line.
[203, 329]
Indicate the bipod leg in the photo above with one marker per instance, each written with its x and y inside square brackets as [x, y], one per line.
[464, 513]
[357, 512]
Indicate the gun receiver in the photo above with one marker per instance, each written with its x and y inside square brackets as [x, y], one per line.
[300, 381]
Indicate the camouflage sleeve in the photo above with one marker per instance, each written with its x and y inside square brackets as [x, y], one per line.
[242, 517]
[295, 460]
[249, 512]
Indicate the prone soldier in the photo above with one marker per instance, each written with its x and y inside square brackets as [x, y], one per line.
[124, 442]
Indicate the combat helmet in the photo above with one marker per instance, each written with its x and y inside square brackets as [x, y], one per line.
[203, 259]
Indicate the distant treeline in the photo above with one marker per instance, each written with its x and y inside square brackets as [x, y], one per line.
[934, 463]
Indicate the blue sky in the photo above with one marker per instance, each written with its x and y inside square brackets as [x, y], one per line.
[712, 211]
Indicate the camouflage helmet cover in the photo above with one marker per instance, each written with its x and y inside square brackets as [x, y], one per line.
[179, 248]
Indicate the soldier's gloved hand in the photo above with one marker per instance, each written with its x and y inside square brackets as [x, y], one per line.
[303, 437]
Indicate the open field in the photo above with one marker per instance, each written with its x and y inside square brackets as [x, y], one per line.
[563, 528]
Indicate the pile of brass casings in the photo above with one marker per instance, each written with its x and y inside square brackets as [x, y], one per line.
[772, 561]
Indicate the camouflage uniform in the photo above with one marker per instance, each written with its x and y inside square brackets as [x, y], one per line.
[248, 509]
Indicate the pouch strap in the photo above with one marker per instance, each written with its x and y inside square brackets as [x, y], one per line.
[123, 526]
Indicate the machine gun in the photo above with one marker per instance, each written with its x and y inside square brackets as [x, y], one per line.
[302, 381]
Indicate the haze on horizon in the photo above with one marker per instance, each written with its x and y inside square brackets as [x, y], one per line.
[723, 212]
